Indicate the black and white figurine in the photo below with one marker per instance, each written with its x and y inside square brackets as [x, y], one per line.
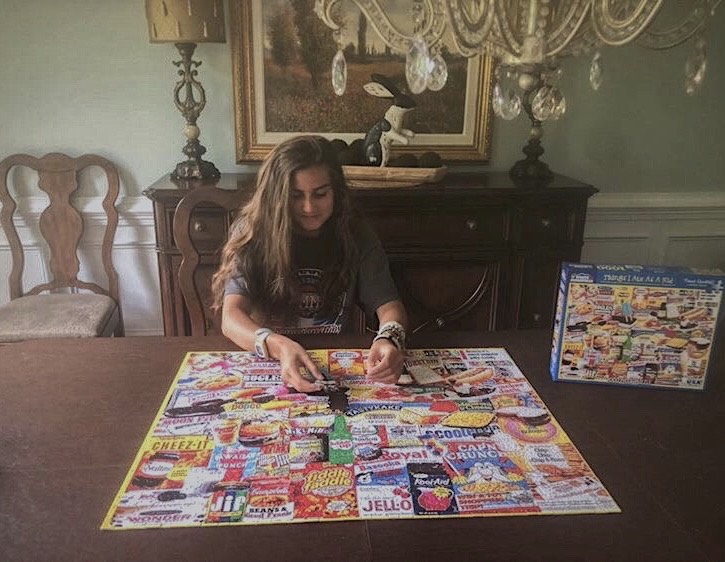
[376, 145]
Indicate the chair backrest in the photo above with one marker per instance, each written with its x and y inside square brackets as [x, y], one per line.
[61, 224]
[229, 201]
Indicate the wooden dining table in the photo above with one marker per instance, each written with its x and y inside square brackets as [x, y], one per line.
[73, 414]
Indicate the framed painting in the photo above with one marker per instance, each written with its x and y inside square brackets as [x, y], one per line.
[282, 56]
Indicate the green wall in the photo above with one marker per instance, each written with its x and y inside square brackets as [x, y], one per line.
[80, 76]
[640, 131]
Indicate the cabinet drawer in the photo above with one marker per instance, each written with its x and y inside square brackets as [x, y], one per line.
[549, 224]
[208, 228]
[447, 228]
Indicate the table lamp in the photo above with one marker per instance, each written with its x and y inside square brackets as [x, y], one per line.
[186, 23]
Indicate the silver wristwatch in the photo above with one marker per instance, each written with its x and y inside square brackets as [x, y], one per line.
[260, 342]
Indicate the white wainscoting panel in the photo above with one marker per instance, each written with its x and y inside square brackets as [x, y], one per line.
[685, 229]
[651, 229]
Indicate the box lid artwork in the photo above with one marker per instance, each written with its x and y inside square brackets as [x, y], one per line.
[635, 325]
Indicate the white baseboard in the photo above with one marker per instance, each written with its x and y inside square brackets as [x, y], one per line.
[637, 228]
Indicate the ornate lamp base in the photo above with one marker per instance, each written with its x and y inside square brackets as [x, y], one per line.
[194, 168]
[531, 170]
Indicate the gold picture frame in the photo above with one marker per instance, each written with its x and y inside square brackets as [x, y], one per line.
[273, 102]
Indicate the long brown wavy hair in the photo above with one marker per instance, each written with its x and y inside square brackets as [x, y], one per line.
[259, 247]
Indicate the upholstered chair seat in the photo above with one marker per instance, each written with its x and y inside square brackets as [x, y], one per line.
[58, 316]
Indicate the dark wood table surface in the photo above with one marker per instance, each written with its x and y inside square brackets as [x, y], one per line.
[74, 412]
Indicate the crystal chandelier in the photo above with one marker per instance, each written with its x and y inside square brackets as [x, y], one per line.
[527, 39]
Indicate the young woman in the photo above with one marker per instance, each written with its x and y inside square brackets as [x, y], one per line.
[298, 259]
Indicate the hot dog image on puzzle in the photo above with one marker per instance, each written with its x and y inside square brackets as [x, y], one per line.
[464, 435]
[636, 325]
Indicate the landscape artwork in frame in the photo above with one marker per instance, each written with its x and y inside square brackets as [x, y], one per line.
[282, 56]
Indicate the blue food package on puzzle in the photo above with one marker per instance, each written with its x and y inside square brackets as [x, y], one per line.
[636, 325]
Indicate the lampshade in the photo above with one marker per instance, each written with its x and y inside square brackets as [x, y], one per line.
[185, 21]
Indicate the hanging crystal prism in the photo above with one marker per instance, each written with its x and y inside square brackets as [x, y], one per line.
[503, 72]
[506, 103]
[551, 75]
[558, 104]
[548, 104]
[596, 71]
[497, 99]
[695, 67]
[339, 73]
[438, 72]
[417, 67]
[542, 105]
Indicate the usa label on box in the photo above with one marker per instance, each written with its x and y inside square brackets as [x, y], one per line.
[635, 325]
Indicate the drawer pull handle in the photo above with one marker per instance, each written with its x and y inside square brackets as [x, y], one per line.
[546, 223]
[199, 226]
[537, 317]
[471, 224]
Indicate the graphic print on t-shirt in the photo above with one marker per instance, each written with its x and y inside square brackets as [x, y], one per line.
[311, 304]
[310, 297]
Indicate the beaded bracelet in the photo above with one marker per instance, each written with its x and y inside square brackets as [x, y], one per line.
[393, 331]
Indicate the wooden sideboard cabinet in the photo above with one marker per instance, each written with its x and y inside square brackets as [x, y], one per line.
[474, 252]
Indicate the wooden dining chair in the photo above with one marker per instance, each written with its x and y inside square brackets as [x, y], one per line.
[63, 305]
[197, 263]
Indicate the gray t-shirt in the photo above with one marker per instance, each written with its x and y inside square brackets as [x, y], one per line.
[372, 288]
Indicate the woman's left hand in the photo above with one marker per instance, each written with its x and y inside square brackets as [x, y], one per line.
[385, 362]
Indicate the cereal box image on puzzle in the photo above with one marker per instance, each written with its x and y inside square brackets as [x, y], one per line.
[232, 445]
[635, 325]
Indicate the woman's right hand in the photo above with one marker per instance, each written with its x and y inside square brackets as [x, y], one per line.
[294, 362]
[239, 327]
